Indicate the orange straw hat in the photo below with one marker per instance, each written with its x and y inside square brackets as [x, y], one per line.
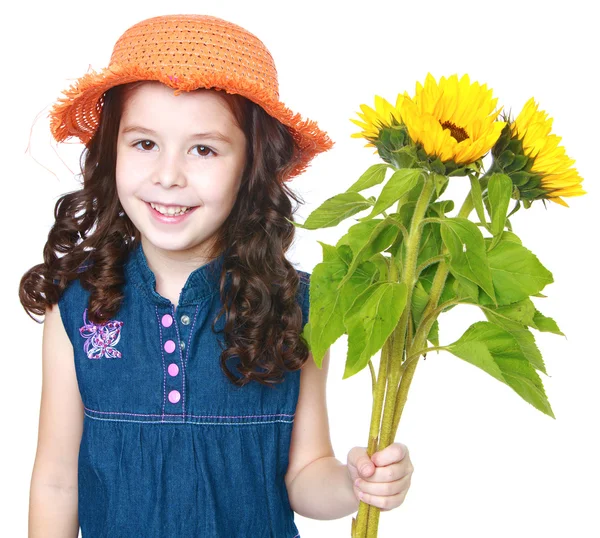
[187, 52]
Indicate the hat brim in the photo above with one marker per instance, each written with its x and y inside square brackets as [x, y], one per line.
[77, 114]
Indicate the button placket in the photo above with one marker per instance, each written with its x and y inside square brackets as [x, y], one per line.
[169, 338]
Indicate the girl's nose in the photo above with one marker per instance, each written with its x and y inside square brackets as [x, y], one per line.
[170, 171]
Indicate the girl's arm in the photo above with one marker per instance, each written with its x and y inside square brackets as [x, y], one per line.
[53, 510]
[319, 485]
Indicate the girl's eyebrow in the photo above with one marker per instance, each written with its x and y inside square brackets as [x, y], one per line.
[215, 135]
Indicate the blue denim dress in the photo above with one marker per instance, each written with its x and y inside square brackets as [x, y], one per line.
[170, 447]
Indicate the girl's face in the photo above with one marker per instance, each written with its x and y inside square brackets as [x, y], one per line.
[179, 167]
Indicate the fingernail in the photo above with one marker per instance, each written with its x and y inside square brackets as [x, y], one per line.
[357, 482]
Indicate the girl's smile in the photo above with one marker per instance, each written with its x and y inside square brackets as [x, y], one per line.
[170, 214]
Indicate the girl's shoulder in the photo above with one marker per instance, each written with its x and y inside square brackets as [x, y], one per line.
[73, 298]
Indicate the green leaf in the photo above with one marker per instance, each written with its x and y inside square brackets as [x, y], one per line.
[516, 273]
[399, 184]
[497, 352]
[419, 300]
[383, 265]
[344, 252]
[367, 245]
[545, 324]
[510, 236]
[331, 253]
[431, 243]
[328, 304]
[335, 209]
[477, 199]
[467, 250]
[439, 209]
[434, 334]
[358, 234]
[370, 320]
[448, 293]
[373, 176]
[499, 191]
[466, 289]
[522, 312]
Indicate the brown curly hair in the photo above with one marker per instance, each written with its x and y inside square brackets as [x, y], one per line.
[92, 238]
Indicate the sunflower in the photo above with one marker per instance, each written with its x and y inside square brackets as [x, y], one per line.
[375, 120]
[546, 171]
[453, 120]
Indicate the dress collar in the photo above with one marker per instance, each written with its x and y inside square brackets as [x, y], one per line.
[202, 282]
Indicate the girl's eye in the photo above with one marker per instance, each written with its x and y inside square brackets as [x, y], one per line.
[143, 142]
[203, 151]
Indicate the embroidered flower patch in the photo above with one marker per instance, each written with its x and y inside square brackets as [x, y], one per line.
[100, 340]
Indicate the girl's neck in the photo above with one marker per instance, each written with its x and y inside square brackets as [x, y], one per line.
[171, 269]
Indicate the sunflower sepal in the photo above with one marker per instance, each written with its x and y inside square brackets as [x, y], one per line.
[504, 138]
[405, 157]
[441, 182]
[394, 146]
[521, 177]
[518, 163]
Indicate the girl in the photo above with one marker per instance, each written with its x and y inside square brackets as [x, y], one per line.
[184, 218]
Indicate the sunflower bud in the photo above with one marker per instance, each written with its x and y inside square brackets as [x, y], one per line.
[510, 159]
[395, 147]
[528, 154]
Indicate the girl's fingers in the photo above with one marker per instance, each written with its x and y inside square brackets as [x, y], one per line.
[384, 503]
[383, 489]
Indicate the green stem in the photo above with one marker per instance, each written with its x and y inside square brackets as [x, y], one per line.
[394, 354]
[436, 312]
[423, 351]
[396, 375]
[427, 263]
[437, 287]
[359, 525]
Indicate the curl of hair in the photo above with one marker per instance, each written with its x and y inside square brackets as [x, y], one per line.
[92, 237]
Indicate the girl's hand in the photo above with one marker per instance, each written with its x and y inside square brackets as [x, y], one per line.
[384, 484]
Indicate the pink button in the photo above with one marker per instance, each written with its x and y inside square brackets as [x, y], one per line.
[173, 369]
[174, 396]
[167, 320]
[169, 346]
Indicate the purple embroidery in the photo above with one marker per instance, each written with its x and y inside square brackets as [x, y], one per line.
[101, 339]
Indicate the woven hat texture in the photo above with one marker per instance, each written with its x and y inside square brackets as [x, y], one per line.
[186, 52]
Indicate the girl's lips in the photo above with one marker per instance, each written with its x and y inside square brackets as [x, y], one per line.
[170, 219]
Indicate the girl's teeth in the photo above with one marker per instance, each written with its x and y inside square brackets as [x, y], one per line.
[169, 210]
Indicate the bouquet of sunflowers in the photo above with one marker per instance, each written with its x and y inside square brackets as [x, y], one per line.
[390, 277]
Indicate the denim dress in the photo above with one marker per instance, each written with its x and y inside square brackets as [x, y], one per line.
[170, 447]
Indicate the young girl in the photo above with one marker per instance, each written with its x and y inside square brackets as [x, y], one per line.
[172, 351]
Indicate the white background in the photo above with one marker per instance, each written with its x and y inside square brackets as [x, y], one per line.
[486, 462]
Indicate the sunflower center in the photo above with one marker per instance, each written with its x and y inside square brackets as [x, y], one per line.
[458, 133]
